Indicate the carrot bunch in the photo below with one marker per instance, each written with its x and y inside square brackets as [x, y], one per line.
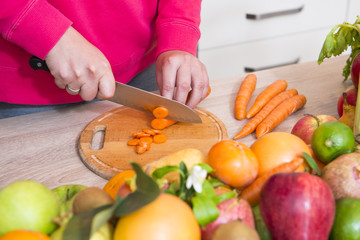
[143, 140]
[270, 108]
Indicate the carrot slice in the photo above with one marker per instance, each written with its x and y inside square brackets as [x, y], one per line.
[160, 112]
[266, 95]
[160, 138]
[161, 123]
[142, 147]
[133, 142]
[280, 113]
[246, 89]
[146, 139]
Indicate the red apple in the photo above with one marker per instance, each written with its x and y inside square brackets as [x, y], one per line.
[354, 72]
[297, 206]
[305, 126]
[229, 210]
[351, 96]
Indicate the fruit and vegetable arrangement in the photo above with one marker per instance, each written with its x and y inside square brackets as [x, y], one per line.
[301, 184]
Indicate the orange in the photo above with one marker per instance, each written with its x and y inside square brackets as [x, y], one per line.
[276, 148]
[24, 235]
[167, 217]
[233, 162]
[113, 185]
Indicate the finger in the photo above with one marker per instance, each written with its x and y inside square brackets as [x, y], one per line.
[168, 81]
[73, 90]
[158, 74]
[207, 88]
[198, 85]
[89, 91]
[106, 86]
[183, 83]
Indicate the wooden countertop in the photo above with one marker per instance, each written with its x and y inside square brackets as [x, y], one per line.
[43, 146]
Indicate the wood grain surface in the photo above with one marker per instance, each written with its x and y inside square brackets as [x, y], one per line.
[44, 146]
[109, 153]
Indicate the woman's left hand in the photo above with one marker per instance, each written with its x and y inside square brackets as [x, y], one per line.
[178, 72]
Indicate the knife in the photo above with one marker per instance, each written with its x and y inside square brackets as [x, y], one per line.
[139, 99]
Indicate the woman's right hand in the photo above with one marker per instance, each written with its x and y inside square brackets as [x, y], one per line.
[77, 64]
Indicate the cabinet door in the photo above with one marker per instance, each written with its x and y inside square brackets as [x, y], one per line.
[234, 60]
[230, 22]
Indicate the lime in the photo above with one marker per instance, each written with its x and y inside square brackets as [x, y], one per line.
[332, 139]
[346, 224]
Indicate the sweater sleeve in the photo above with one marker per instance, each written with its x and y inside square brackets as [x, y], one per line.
[34, 25]
[177, 25]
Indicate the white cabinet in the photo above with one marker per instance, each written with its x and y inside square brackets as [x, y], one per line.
[353, 10]
[240, 35]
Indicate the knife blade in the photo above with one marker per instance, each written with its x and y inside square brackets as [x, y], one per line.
[139, 99]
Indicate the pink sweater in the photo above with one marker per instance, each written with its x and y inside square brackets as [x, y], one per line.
[130, 33]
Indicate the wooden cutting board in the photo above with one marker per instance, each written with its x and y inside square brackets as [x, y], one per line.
[103, 143]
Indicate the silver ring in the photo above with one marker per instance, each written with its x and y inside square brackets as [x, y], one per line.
[72, 90]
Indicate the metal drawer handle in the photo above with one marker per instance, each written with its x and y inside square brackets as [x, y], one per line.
[253, 16]
[255, 69]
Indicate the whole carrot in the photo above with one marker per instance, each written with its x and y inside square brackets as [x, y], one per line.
[280, 113]
[246, 89]
[274, 102]
[252, 192]
[266, 95]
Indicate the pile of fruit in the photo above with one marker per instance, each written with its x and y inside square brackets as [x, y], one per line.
[296, 185]
[299, 185]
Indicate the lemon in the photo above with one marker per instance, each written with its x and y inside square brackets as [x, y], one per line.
[332, 139]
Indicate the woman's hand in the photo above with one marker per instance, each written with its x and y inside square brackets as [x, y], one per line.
[178, 72]
[77, 64]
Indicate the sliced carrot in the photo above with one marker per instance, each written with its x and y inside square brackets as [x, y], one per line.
[151, 132]
[146, 139]
[252, 192]
[140, 135]
[160, 112]
[160, 138]
[142, 147]
[280, 113]
[157, 131]
[274, 102]
[133, 142]
[246, 89]
[161, 123]
[266, 95]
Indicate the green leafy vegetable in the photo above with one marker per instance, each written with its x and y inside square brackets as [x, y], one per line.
[341, 38]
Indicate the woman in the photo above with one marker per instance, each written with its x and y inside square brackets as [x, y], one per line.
[90, 44]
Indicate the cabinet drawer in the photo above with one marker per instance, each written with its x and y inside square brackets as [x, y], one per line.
[231, 21]
[232, 60]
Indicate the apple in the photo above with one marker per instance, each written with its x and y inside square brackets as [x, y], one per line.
[351, 96]
[105, 232]
[354, 71]
[66, 194]
[30, 205]
[305, 126]
[229, 210]
[297, 206]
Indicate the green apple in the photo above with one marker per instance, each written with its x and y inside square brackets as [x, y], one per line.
[28, 204]
[66, 194]
[105, 232]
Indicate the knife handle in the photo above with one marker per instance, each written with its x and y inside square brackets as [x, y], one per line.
[37, 63]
